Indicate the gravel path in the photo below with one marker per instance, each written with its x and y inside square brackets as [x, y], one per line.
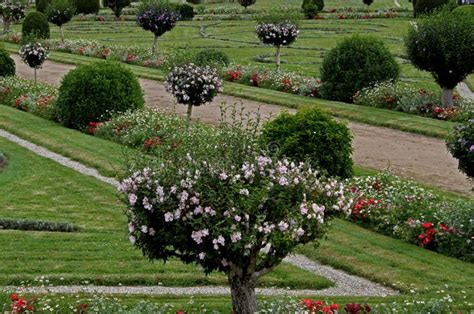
[465, 91]
[345, 284]
[66, 162]
[421, 158]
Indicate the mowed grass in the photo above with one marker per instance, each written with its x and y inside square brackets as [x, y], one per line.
[32, 187]
[237, 39]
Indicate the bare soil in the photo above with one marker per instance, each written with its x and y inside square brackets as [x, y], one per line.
[417, 157]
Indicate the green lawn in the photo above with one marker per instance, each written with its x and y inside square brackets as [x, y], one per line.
[32, 187]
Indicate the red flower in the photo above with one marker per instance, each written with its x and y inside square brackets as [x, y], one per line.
[233, 75]
[334, 307]
[14, 297]
[255, 79]
[308, 303]
[353, 308]
[427, 225]
[92, 127]
[130, 57]
[152, 143]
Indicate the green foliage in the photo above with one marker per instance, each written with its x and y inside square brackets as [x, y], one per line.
[93, 92]
[461, 145]
[59, 12]
[310, 9]
[186, 11]
[464, 9]
[87, 6]
[3, 160]
[7, 65]
[355, 63]
[320, 4]
[311, 134]
[246, 3]
[36, 225]
[41, 5]
[279, 16]
[35, 25]
[427, 6]
[117, 6]
[368, 2]
[443, 44]
[211, 57]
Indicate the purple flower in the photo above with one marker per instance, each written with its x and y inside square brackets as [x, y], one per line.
[471, 149]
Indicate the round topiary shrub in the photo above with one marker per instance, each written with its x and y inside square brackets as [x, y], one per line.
[311, 134]
[211, 57]
[7, 65]
[186, 11]
[464, 9]
[427, 6]
[87, 6]
[355, 63]
[93, 92]
[35, 25]
[41, 5]
[461, 145]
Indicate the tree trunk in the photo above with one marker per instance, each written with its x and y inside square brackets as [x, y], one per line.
[447, 99]
[155, 43]
[242, 290]
[62, 34]
[190, 111]
[6, 25]
[278, 58]
[35, 76]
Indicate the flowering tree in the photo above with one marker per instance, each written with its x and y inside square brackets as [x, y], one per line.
[443, 44]
[193, 85]
[239, 213]
[10, 13]
[157, 16]
[59, 12]
[277, 29]
[117, 6]
[34, 55]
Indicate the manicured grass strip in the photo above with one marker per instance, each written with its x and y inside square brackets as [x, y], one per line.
[35, 188]
[374, 116]
[392, 262]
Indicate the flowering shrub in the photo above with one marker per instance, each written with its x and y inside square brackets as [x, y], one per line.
[461, 145]
[284, 81]
[157, 17]
[396, 96]
[33, 54]
[193, 85]
[403, 210]
[39, 99]
[21, 304]
[220, 206]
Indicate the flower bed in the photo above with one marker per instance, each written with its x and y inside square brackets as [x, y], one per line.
[403, 210]
[39, 99]
[398, 96]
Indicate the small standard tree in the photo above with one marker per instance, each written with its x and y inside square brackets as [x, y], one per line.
[117, 6]
[246, 3]
[59, 12]
[158, 17]
[368, 2]
[241, 213]
[34, 55]
[278, 29]
[193, 85]
[10, 13]
[443, 44]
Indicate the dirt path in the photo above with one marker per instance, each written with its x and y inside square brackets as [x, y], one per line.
[412, 156]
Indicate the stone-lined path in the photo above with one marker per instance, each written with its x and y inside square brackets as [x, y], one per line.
[345, 284]
[421, 158]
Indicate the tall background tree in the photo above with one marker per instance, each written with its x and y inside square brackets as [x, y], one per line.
[117, 6]
[443, 44]
[246, 3]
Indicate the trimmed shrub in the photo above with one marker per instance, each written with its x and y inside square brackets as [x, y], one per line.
[311, 134]
[355, 63]
[36, 225]
[41, 5]
[310, 9]
[117, 6]
[211, 57]
[35, 25]
[461, 145]
[464, 9]
[368, 2]
[246, 3]
[427, 6]
[93, 92]
[7, 65]
[87, 6]
[186, 11]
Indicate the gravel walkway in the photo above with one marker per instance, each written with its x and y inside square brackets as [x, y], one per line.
[465, 91]
[66, 162]
[345, 284]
